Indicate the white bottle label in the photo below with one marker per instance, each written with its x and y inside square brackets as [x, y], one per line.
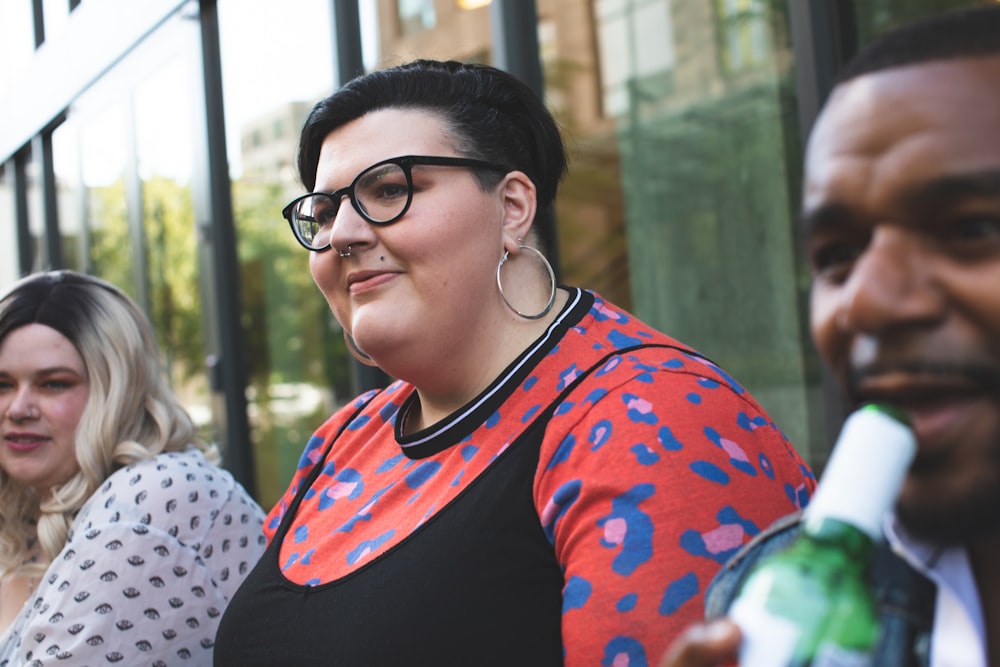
[768, 640]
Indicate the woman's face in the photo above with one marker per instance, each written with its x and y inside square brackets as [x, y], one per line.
[410, 292]
[43, 391]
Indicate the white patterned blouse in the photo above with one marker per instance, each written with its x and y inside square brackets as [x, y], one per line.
[151, 562]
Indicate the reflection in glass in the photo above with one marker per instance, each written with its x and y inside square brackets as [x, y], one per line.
[298, 366]
[102, 158]
[36, 218]
[416, 15]
[394, 31]
[710, 169]
[875, 17]
[55, 15]
[17, 39]
[124, 167]
[70, 198]
[8, 226]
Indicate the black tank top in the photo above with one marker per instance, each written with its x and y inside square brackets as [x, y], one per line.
[477, 585]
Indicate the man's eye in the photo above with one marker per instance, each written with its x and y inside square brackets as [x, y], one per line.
[976, 228]
[833, 258]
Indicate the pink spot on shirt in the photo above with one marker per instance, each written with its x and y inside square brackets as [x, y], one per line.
[734, 450]
[342, 489]
[640, 404]
[723, 538]
[615, 531]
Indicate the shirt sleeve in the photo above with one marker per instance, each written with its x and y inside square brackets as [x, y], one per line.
[147, 571]
[124, 594]
[647, 483]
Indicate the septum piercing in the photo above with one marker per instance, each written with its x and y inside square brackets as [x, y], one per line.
[347, 253]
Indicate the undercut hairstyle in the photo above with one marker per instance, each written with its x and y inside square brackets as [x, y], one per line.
[962, 33]
[131, 414]
[490, 114]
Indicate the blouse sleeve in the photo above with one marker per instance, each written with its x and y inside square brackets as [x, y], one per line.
[147, 571]
[648, 481]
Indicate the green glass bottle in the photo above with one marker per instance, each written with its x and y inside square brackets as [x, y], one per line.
[810, 605]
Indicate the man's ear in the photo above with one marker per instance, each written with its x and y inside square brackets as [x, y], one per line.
[519, 206]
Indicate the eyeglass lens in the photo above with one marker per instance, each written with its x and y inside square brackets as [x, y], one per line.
[380, 194]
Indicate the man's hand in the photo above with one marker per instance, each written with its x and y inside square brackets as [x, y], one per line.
[704, 645]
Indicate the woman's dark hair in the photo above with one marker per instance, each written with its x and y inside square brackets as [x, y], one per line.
[491, 115]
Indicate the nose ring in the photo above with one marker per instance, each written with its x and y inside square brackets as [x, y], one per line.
[346, 253]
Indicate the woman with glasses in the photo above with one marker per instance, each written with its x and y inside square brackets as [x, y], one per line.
[121, 539]
[549, 481]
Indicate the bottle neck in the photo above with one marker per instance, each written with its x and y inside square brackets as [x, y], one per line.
[849, 538]
[865, 471]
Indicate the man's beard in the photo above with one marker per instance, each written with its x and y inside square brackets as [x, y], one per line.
[974, 511]
[951, 521]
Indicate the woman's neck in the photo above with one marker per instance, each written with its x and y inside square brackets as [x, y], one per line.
[464, 375]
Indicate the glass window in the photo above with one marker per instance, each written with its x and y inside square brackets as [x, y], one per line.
[55, 16]
[631, 46]
[8, 226]
[124, 164]
[36, 208]
[877, 16]
[457, 30]
[744, 39]
[164, 133]
[17, 39]
[703, 167]
[299, 368]
[416, 15]
[70, 200]
[99, 120]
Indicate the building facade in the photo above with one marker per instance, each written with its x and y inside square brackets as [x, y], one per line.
[152, 143]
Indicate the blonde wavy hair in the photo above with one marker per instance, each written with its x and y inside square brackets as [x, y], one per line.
[131, 413]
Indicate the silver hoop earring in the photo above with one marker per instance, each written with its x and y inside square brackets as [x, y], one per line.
[346, 253]
[552, 277]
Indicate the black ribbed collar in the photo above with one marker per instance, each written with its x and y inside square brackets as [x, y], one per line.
[461, 423]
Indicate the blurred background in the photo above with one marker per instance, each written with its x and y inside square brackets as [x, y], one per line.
[151, 143]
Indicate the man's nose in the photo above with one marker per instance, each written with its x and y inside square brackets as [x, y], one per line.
[893, 284]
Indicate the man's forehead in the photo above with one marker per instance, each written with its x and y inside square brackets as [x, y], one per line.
[944, 91]
[901, 126]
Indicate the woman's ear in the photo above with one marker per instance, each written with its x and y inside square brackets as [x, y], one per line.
[519, 206]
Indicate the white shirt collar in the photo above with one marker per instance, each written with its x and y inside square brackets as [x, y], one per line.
[958, 638]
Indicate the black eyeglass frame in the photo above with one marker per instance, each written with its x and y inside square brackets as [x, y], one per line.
[404, 162]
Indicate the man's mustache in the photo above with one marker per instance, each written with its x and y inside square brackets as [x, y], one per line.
[982, 375]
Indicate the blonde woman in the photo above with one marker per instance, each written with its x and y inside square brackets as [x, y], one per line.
[121, 539]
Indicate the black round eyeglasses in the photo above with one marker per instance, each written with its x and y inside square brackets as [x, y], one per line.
[381, 194]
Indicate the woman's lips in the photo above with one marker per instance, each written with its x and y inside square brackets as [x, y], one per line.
[363, 282]
[20, 442]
